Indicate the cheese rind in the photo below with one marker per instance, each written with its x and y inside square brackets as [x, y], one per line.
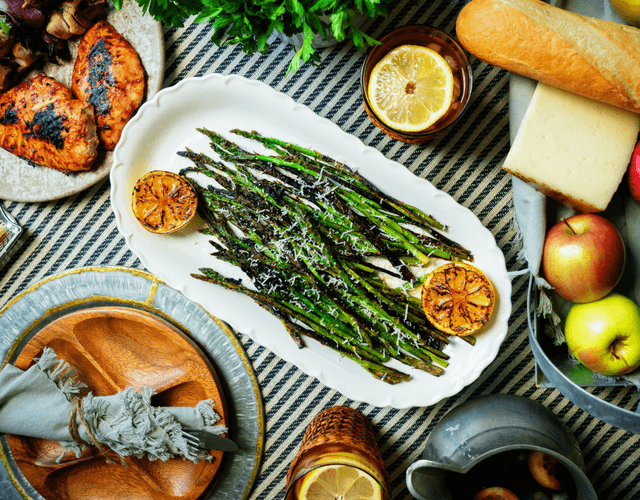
[573, 149]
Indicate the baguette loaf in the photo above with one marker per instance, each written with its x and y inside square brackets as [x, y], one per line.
[583, 55]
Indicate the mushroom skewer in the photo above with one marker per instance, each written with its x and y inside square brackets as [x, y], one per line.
[36, 30]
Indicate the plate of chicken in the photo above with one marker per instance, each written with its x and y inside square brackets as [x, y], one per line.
[63, 105]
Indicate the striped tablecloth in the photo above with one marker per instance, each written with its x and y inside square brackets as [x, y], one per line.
[466, 163]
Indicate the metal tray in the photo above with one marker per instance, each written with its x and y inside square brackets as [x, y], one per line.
[553, 366]
[553, 371]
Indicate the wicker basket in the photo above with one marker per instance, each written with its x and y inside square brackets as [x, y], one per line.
[336, 433]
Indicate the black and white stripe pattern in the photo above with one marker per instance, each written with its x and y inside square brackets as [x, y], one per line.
[81, 231]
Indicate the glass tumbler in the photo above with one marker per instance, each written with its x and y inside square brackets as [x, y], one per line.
[338, 436]
[449, 49]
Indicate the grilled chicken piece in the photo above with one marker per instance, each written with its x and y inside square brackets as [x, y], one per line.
[41, 122]
[108, 74]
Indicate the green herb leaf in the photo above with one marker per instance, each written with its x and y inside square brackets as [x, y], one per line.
[322, 5]
[296, 11]
[338, 21]
[316, 24]
[4, 25]
[250, 22]
[306, 52]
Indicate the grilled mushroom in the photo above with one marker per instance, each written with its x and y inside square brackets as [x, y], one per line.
[23, 56]
[74, 17]
[88, 11]
[6, 80]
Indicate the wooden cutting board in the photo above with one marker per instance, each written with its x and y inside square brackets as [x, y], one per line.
[111, 348]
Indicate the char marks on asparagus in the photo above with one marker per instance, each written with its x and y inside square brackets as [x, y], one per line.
[309, 232]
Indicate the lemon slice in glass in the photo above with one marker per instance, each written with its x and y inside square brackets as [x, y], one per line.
[410, 88]
[339, 481]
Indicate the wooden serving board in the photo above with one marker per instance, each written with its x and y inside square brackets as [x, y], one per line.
[112, 348]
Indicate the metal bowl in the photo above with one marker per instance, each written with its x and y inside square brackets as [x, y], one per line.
[554, 370]
[484, 427]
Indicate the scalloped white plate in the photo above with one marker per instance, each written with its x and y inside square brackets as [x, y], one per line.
[167, 124]
[20, 181]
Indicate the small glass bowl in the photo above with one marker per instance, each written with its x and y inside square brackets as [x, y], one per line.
[428, 37]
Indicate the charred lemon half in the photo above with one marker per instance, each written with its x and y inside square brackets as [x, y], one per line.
[458, 298]
[164, 202]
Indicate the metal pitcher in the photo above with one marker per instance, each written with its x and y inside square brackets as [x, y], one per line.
[485, 426]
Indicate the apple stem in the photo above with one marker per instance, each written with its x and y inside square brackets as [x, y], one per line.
[616, 345]
[568, 225]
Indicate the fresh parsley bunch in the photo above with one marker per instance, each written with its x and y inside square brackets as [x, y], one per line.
[250, 22]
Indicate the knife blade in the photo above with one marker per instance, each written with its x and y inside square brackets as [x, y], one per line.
[210, 441]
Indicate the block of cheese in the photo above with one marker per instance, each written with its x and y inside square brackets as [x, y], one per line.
[573, 149]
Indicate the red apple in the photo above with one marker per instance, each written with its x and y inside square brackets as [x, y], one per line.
[633, 174]
[583, 257]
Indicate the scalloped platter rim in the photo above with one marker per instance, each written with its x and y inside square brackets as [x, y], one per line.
[167, 124]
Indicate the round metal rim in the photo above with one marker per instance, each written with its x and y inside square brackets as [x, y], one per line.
[605, 411]
[147, 292]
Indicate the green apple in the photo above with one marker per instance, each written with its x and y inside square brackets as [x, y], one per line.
[604, 335]
[629, 10]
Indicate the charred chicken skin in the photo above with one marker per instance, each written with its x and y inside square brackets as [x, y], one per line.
[41, 122]
[109, 75]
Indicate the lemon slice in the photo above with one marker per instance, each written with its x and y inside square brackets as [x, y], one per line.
[351, 459]
[411, 88]
[164, 202]
[339, 481]
[458, 298]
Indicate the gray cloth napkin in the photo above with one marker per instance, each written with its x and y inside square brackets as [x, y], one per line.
[38, 402]
[534, 213]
